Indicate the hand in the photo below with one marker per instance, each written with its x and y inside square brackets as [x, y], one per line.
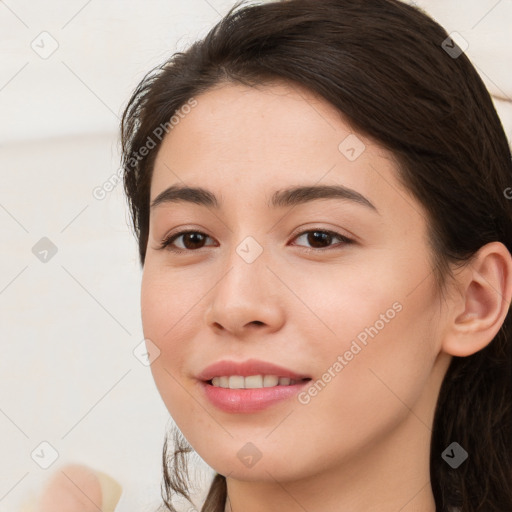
[77, 488]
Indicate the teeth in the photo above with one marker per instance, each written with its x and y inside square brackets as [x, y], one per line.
[236, 382]
[251, 382]
[268, 381]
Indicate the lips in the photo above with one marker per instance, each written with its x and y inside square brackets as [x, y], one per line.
[247, 368]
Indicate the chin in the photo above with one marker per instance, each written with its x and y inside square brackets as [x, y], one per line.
[269, 469]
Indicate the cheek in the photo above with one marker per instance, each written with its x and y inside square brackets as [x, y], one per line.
[373, 342]
[167, 314]
[380, 362]
[169, 305]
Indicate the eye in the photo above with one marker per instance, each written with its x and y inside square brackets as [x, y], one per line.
[194, 240]
[320, 239]
[190, 238]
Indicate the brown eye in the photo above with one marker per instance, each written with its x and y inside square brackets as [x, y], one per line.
[192, 240]
[321, 239]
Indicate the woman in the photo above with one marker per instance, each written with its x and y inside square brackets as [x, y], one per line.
[319, 194]
[321, 186]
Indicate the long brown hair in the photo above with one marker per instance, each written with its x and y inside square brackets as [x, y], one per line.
[397, 78]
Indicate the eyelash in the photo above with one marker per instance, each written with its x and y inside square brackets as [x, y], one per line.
[166, 242]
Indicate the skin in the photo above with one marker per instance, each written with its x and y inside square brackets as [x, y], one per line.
[362, 443]
[77, 488]
[73, 488]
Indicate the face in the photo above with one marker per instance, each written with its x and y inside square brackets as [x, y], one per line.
[328, 287]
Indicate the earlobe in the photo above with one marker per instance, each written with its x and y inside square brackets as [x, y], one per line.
[485, 287]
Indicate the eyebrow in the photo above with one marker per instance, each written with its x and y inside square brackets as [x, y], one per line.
[281, 198]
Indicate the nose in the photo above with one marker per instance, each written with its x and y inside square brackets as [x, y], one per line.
[248, 298]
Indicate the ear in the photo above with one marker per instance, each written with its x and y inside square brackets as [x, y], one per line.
[478, 312]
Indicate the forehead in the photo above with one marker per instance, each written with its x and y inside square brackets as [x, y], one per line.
[245, 142]
[233, 119]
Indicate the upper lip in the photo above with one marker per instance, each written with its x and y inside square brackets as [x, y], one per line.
[247, 368]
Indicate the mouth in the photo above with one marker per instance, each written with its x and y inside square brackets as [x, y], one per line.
[249, 386]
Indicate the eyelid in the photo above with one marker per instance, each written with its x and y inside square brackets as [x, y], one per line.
[333, 231]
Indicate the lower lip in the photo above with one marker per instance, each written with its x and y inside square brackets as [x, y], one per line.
[249, 400]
